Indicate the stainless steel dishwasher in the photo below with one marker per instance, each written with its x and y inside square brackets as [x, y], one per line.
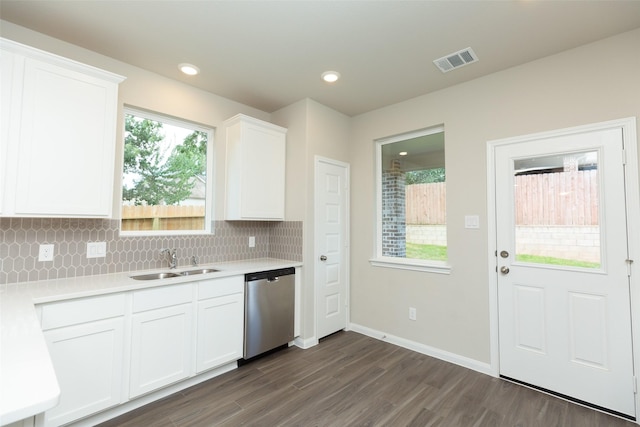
[268, 310]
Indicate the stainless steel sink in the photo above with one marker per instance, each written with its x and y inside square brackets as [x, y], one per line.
[199, 271]
[155, 276]
[168, 275]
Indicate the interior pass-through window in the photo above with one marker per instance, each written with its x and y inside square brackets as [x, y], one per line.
[412, 217]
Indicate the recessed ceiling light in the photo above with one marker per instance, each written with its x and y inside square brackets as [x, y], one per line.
[403, 153]
[330, 76]
[189, 69]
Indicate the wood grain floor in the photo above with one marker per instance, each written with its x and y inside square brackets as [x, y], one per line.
[353, 380]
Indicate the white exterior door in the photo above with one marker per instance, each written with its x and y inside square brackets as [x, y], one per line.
[332, 246]
[563, 276]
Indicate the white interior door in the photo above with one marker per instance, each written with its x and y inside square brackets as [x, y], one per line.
[331, 248]
[564, 309]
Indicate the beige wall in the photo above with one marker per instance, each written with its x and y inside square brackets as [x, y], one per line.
[313, 130]
[593, 83]
[153, 92]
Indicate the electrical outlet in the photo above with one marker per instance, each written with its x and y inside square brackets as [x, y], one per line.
[252, 241]
[45, 253]
[412, 313]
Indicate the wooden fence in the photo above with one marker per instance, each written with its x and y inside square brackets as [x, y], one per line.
[426, 203]
[135, 218]
[562, 198]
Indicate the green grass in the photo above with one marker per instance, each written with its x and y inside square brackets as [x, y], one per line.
[556, 261]
[439, 253]
[430, 252]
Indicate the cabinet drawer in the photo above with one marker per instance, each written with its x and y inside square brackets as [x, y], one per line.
[73, 312]
[164, 296]
[220, 287]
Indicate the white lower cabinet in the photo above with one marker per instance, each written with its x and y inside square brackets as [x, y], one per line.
[161, 338]
[87, 354]
[110, 349]
[220, 322]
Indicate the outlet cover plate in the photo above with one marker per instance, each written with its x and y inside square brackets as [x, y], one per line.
[45, 253]
[471, 221]
[96, 249]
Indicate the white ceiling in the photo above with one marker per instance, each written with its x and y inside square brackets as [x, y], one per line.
[269, 54]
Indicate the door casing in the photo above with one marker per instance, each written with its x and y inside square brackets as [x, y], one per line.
[632, 196]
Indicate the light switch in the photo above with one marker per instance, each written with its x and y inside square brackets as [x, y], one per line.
[96, 249]
[471, 221]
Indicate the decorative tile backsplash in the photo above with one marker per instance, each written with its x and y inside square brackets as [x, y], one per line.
[20, 239]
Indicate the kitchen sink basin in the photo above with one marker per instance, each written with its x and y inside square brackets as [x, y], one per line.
[199, 271]
[155, 276]
[168, 275]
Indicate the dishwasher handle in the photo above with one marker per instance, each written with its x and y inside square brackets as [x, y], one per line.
[269, 275]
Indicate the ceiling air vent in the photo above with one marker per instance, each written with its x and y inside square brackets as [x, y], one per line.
[456, 60]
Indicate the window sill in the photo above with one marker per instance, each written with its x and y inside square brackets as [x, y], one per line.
[438, 267]
[166, 233]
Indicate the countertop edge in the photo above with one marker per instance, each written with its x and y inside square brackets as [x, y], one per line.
[29, 385]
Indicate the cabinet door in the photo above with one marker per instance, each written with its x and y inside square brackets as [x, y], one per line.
[67, 143]
[161, 348]
[88, 361]
[263, 180]
[255, 162]
[220, 331]
[6, 98]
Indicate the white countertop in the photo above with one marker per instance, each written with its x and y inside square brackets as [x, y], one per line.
[28, 384]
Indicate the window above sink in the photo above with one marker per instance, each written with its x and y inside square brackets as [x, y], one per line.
[167, 177]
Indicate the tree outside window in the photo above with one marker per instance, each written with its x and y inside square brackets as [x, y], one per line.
[164, 174]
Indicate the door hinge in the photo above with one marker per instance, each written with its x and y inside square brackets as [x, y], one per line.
[635, 385]
[624, 156]
[629, 262]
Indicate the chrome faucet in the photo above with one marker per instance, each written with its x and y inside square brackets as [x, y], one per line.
[173, 257]
[194, 260]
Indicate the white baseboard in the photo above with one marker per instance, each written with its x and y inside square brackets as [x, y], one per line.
[305, 343]
[484, 368]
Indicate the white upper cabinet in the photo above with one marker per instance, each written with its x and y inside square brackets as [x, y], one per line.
[58, 148]
[255, 164]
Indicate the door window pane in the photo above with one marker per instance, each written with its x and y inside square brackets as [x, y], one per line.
[557, 211]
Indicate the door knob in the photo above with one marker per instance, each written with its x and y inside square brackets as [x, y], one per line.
[504, 269]
[323, 257]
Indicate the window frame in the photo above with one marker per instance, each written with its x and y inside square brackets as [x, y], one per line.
[210, 179]
[378, 260]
